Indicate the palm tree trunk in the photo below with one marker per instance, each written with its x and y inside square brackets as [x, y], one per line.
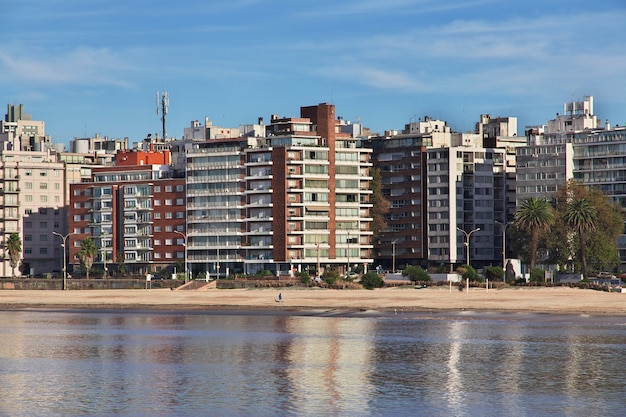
[581, 235]
[534, 242]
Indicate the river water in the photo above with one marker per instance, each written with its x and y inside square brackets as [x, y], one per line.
[147, 363]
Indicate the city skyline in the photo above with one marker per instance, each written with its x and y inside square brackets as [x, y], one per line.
[95, 68]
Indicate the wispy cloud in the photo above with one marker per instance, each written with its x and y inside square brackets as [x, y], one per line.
[79, 66]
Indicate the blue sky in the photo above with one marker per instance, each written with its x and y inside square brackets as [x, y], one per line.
[87, 67]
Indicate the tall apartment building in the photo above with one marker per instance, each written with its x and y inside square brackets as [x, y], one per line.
[32, 198]
[599, 160]
[466, 189]
[295, 198]
[546, 163]
[134, 212]
[437, 180]
[32, 193]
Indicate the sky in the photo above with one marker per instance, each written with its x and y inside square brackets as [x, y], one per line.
[95, 67]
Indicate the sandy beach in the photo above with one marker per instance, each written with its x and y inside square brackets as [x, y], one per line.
[538, 300]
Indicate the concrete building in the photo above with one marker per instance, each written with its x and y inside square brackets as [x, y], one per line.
[32, 200]
[134, 212]
[437, 180]
[296, 198]
[19, 132]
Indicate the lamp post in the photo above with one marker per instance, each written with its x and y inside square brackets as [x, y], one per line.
[467, 241]
[504, 226]
[185, 245]
[63, 245]
[104, 255]
[393, 256]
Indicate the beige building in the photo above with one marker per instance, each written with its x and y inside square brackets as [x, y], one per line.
[32, 200]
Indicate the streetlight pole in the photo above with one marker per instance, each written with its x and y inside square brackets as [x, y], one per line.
[504, 226]
[393, 256]
[104, 254]
[185, 245]
[467, 241]
[64, 246]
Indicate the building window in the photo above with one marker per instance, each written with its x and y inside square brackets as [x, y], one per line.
[157, 215]
[179, 202]
[180, 214]
[168, 202]
[168, 188]
[168, 215]
[180, 188]
[157, 202]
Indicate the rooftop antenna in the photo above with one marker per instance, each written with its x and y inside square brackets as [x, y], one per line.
[162, 104]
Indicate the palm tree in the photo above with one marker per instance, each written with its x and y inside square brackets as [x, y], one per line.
[534, 216]
[87, 253]
[14, 246]
[582, 215]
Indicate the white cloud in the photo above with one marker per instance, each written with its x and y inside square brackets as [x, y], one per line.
[80, 66]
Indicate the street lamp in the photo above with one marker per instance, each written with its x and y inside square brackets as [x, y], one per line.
[393, 256]
[467, 241]
[104, 254]
[504, 226]
[185, 245]
[63, 245]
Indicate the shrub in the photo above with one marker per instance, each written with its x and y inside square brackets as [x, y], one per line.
[305, 278]
[494, 273]
[331, 277]
[467, 271]
[537, 275]
[416, 273]
[372, 280]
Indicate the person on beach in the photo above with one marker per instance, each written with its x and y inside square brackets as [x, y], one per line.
[280, 298]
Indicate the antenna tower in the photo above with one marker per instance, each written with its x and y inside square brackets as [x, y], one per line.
[162, 105]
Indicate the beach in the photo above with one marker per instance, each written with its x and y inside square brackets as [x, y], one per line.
[558, 300]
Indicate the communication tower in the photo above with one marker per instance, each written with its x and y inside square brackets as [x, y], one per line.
[162, 104]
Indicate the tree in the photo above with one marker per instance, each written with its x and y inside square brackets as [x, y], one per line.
[87, 253]
[14, 247]
[534, 216]
[121, 265]
[600, 243]
[582, 216]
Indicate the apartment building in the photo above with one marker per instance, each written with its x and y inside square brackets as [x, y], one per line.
[466, 195]
[134, 212]
[437, 181]
[295, 198]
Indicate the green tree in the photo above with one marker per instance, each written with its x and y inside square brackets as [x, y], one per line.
[87, 254]
[600, 243]
[534, 216]
[14, 247]
[582, 216]
[121, 265]
[372, 280]
[416, 273]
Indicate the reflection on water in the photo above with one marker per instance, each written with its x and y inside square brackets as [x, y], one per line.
[221, 363]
